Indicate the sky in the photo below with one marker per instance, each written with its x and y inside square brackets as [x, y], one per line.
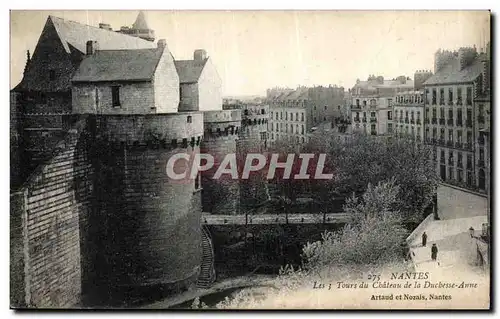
[257, 50]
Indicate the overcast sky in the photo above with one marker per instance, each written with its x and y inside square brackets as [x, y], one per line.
[256, 50]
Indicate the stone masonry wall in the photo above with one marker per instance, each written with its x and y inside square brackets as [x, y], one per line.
[45, 217]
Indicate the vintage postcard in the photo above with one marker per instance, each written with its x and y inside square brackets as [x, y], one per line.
[250, 160]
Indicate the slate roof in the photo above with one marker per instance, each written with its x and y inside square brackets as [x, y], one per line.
[118, 65]
[77, 34]
[189, 70]
[450, 73]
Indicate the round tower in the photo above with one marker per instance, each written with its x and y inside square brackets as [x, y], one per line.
[253, 139]
[222, 195]
[146, 225]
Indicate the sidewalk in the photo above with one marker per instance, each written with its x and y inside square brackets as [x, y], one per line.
[456, 247]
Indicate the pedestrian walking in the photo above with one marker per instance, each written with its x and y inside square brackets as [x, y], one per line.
[471, 231]
[424, 239]
[434, 252]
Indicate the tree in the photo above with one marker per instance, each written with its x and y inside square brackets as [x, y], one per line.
[374, 236]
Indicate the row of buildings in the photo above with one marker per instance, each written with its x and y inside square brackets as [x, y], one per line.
[294, 113]
[448, 109]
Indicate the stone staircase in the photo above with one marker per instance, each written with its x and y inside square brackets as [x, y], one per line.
[207, 269]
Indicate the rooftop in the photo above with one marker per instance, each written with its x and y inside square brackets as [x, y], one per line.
[451, 73]
[119, 65]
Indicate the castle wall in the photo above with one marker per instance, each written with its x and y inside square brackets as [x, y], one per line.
[146, 226]
[166, 84]
[189, 97]
[45, 229]
[253, 139]
[221, 196]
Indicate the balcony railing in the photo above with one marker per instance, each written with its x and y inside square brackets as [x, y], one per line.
[442, 142]
[467, 146]
[450, 122]
[458, 144]
[441, 121]
[373, 120]
[459, 123]
[449, 143]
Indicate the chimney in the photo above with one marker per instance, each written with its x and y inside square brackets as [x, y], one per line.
[105, 26]
[466, 56]
[200, 55]
[92, 47]
[161, 44]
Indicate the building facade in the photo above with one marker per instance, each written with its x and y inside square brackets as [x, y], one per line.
[296, 113]
[372, 104]
[456, 105]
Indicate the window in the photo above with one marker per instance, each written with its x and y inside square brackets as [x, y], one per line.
[357, 102]
[389, 115]
[52, 75]
[450, 114]
[190, 119]
[441, 136]
[434, 96]
[434, 113]
[297, 116]
[459, 96]
[338, 107]
[325, 107]
[441, 96]
[459, 136]
[96, 97]
[302, 116]
[291, 128]
[450, 135]
[324, 118]
[302, 130]
[469, 96]
[426, 96]
[434, 133]
[450, 96]
[262, 111]
[389, 102]
[315, 107]
[115, 95]
[281, 115]
[286, 116]
[364, 103]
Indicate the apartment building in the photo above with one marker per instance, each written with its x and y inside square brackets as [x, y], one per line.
[372, 103]
[456, 105]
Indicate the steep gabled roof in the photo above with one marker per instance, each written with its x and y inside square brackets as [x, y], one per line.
[189, 70]
[77, 34]
[450, 73]
[119, 65]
